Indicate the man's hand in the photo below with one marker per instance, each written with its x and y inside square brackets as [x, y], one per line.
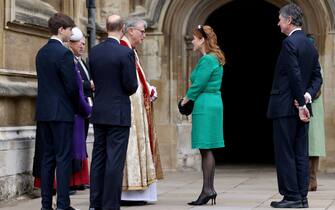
[92, 85]
[308, 99]
[296, 104]
[304, 114]
[153, 93]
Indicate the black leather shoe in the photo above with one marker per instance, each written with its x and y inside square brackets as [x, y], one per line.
[286, 204]
[83, 187]
[304, 203]
[68, 208]
[72, 192]
[46, 209]
[204, 200]
[132, 203]
[80, 187]
[71, 208]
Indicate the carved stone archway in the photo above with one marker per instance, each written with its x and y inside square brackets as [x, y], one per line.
[179, 19]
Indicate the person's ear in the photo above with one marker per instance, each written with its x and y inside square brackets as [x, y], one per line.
[202, 40]
[61, 30]
[123, 29]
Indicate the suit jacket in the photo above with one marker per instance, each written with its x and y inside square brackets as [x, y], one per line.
[87, 83]
[114, 75]
[297, 71]
[57, 93]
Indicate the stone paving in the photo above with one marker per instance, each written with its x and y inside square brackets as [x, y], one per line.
[238, 188]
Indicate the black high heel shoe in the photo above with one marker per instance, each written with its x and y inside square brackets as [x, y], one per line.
[204, 200]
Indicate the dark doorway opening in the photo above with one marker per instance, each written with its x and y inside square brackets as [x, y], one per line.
[250, 38]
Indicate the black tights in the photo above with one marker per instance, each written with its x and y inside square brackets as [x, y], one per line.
[208, 170]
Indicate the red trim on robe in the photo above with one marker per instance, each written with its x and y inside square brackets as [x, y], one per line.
[147, 101]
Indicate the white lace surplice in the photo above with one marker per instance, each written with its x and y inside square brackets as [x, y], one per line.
[139, 182]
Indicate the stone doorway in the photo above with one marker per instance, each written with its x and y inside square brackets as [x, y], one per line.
[250, 38]
[256, 25]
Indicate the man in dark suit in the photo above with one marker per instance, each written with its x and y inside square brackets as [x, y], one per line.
[57, 99]
[297, 80]
[114, 75]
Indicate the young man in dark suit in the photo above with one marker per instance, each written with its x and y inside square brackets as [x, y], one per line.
[57, 99]
[114, 75]
[297, 80]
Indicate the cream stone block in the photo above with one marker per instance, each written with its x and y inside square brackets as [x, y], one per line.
[7, 113]
[167, 154]
[187, 158]
[21, 50]
[108, 7]
[16, 150]
[56, 4]
[16, 161]
[162, 110]
[17, 111]
[25, 111]
[14, 186]
[166, 135]
[150, 58]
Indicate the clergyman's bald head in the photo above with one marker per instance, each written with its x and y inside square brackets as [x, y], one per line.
[114, 23]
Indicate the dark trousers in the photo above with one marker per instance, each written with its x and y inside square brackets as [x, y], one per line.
[108, 159]
[56, 138]
[291, 154]
[87, 124]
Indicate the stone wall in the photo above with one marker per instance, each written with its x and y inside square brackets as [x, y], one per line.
[16, 157]
[17, 145]
[167, 61]
[22, 33]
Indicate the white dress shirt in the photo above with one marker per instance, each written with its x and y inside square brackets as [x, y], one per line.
[56, 38]
[113, 37]
[84, 67]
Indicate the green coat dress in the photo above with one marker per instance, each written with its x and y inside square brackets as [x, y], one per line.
[316, 133]
[207, 115]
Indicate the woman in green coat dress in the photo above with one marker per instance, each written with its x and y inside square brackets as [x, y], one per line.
[316, 136]
[316, 141]
[207, 115]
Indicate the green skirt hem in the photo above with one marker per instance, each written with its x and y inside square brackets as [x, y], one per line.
[207, 146]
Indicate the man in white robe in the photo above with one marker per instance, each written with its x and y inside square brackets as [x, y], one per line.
[143, 167]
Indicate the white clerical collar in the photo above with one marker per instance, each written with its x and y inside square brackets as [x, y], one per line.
[296, 29]
[114, 37]
[56, 38]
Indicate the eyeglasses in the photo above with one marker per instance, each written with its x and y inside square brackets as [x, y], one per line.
[202, 31]
[140, 30]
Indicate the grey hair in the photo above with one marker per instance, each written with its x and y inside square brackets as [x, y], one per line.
[133, 22]
[294, 11]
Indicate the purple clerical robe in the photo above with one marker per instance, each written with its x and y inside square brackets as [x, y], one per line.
[84, 110]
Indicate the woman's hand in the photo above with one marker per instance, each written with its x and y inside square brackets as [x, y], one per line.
[184, 101]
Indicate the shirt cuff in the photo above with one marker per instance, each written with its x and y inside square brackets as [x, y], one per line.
[302, 107]
[309, 97]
